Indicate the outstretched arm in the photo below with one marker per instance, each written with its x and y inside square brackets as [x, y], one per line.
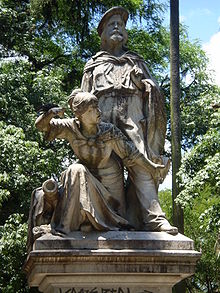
[130, 156]
[43, 121]
[159, 172]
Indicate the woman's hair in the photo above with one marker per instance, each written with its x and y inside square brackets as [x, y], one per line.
[79, 101]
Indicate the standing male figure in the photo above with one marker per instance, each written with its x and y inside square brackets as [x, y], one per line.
[130, 99]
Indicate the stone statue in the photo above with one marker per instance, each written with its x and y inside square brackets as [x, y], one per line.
[92, 195]
[128, 132]
[130, 99]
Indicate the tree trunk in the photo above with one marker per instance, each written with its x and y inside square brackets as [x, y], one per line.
[175, 109]
[175, 119]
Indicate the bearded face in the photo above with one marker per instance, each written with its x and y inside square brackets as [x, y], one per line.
[114, 31]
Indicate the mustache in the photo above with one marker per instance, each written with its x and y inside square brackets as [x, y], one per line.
[116, 31]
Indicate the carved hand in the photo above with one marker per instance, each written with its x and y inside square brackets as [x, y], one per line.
[148, 84]
[57, 111]
[43, 121]
[163, 170]
[136, 76]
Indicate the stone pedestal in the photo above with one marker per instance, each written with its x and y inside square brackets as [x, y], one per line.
[110, 262]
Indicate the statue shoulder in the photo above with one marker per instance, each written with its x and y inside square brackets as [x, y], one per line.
[93, 59]
[134, 56]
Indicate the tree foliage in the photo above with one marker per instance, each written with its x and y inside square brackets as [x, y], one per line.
[200, 227]
[13, 237]
[200, 179]
[200, 167]
[24, 165]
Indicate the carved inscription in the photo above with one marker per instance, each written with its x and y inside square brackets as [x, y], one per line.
[100, 290]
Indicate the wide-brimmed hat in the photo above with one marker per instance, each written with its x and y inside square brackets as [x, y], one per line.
[109, 13]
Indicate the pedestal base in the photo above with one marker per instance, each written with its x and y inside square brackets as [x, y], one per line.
[110, 262]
